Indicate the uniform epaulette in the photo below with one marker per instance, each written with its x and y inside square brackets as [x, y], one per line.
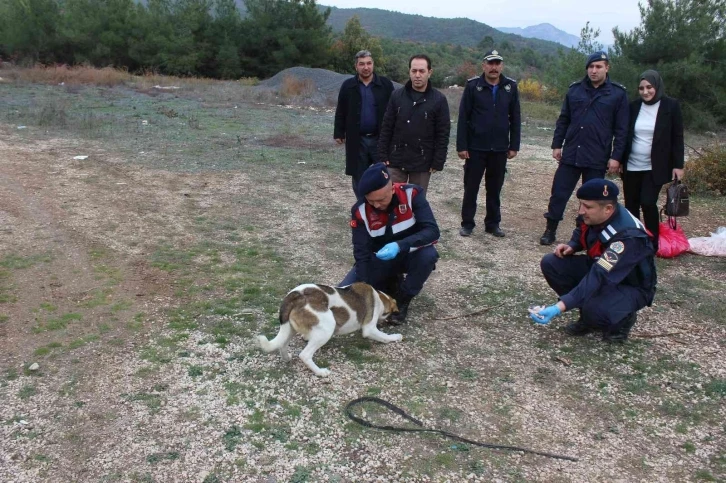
[473, 78]
[576, 82]
[510, 79]
[618, 85]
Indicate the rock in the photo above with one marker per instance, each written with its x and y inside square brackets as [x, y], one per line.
[34, 367]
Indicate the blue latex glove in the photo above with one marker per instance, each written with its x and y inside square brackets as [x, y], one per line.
[545, 315]
[389, 251]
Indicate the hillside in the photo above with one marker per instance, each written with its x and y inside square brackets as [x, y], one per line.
[544, 31]
[417, 28]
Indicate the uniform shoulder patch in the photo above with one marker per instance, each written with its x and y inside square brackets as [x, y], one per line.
[510, 79]
[604, 264]
[473, 78]
[617, 247]
[618, 85]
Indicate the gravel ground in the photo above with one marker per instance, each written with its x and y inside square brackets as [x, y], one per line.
[162, 407]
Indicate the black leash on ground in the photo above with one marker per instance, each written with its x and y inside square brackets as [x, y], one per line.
[421, 429]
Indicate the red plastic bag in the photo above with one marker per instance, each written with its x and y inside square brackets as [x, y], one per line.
[671, 240]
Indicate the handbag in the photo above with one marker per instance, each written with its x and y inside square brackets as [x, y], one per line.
[676, 199]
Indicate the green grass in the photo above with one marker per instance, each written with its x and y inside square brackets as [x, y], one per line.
[27, 391]
[58, 323]
[13, 261]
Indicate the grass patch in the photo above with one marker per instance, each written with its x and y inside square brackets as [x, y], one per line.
[27, 391]
[155, 458]
[12, 261]
[232, 438]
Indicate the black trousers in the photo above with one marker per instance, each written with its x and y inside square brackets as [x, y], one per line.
[563, 185]
[492, 167]
[368, 154]
[642, 193]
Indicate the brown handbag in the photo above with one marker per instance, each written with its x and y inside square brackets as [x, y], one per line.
[676, 199]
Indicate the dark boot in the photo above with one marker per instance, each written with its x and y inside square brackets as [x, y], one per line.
[403, 301]
[579, 328]
[548, 237]
[619, 333]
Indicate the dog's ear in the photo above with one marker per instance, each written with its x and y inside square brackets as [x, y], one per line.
[389, 303]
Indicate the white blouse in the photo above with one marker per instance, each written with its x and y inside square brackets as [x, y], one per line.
[639, 159]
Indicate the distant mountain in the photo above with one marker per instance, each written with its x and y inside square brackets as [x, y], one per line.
[544, 31]
[417, 28]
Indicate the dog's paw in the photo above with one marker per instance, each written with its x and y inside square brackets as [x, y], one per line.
[397, 337]
[323, 372]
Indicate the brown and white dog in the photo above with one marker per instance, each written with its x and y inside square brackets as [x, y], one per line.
[319, 311]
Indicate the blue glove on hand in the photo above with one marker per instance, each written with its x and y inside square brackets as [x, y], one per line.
[389, 251]
[545, 315]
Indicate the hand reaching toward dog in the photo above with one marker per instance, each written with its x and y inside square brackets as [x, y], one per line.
[389, 251]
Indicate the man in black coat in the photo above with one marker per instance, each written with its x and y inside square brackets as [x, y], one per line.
[415, 132]
[488, 134]
[362, 101]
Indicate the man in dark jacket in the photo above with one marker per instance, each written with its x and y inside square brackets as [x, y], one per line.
[614, 279]
[488, 133]
[593, 126]
[415, 132]
[394, 233]
[362, 101]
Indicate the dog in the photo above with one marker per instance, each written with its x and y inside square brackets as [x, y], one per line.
[319, 311]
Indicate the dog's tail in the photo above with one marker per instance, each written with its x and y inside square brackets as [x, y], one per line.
[279, 341]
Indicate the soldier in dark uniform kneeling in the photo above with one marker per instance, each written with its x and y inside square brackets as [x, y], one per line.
[394, 232]
[614, 279]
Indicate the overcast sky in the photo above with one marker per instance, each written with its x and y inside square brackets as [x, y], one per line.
[567, 15]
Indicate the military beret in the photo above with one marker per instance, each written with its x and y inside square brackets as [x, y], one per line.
[596, 56]
[492, 55]
[598, 190]
[373, 178]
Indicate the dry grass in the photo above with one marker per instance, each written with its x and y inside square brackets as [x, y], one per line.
[79, 75]
[294, 87]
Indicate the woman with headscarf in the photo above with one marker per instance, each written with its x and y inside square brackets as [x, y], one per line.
[654, 149]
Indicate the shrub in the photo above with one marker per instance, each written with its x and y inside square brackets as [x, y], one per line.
[530, 90]
[294, 87]
[706, 173]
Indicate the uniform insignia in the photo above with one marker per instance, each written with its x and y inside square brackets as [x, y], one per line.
[605, 264]
[479, 88]
[402, 208]
[603, 56]
[353, 224]
[605, 190]
[610, 256]
[507, 88]
[494, 52]
[385, 175]
[617, 247]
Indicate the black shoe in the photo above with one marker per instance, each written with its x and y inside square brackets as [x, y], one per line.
[548, 237]
[464, 231]
[620, 332]
[496, 231]
[399, 318]
[578, 328]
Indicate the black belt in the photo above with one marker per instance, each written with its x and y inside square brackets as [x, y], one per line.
[370, 134]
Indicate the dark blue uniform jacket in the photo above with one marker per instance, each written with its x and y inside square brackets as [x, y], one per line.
[487, 123]
[625, 257]
[589, 120]
[424, 232]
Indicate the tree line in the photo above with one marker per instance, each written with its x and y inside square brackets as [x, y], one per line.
[683, 39]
